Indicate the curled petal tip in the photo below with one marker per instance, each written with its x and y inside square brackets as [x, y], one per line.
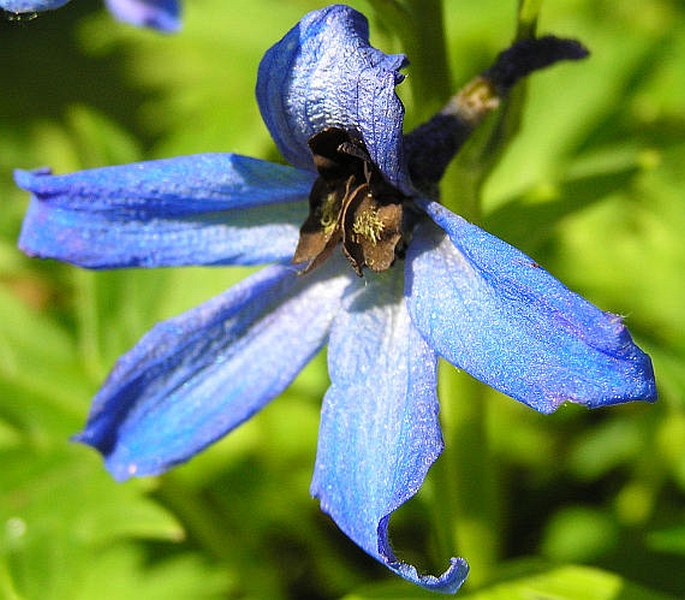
[448, 583]
[26, 179]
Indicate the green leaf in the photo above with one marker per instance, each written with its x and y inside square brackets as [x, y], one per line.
[579, 533]
[128, 576]
[60, 509]
[529, 220]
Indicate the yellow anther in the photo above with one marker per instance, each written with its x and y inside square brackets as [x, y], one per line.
[367, 224]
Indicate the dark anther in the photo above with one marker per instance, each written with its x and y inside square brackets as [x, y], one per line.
[350, 203]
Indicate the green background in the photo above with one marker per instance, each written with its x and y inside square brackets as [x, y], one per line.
[574, 505]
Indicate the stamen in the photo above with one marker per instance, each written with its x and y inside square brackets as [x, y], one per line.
[368, 224]
[350, 204]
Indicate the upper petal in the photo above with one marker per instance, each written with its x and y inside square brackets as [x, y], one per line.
[28, 6]
[194, 378]
[492, 311]
[379, 429]
[200, 210]
[164, 15]
[324, 73]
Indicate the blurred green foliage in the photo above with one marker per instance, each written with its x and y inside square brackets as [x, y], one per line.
[593, 187]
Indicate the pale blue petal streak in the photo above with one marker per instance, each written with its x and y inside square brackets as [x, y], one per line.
[379, 429]
[205, 209]
[194, 378]
[491, 310]
[324, 73]
[164, 15]
[29, 6]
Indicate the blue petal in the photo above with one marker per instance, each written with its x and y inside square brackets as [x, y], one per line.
[379, 425]
[194, 378]
[324, 73]
[492, 311]
[164, 15]
[196, 210]
[29, 6]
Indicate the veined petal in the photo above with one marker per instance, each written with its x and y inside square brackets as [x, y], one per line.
[194, 378]
[164, 15]
[29, 6]
[195, 210]
[492, 311]
[379, 425]
[324, 73]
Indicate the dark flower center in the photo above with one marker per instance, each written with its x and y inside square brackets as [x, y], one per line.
[350, 203]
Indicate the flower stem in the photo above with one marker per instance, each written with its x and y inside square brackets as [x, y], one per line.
[419, 25]
[528, 18]
[430, 74]
[468, 473]
[88, 330]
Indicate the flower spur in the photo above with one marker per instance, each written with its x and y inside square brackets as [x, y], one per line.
[163, 15]
[433, 284]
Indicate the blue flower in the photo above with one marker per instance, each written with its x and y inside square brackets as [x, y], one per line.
[159, 14]
[433, 284]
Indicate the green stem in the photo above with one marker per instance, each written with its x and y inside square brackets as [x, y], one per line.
[88, 331]
[528, 13]
[468, 473]
[463, 182]
[419, 24]
[462, 185]
[431, 80]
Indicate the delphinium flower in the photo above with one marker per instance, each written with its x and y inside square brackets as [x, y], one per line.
[364, 258]
[163, 15]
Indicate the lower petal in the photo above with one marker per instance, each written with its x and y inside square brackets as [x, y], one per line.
[194, 378]
[492, 311]
[379, 425]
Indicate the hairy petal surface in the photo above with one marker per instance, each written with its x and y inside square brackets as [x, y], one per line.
[164, 15]
[29, 6]
[194, 378]
[324, 73]
[379, 425]
[195, 210]
[491, 310]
